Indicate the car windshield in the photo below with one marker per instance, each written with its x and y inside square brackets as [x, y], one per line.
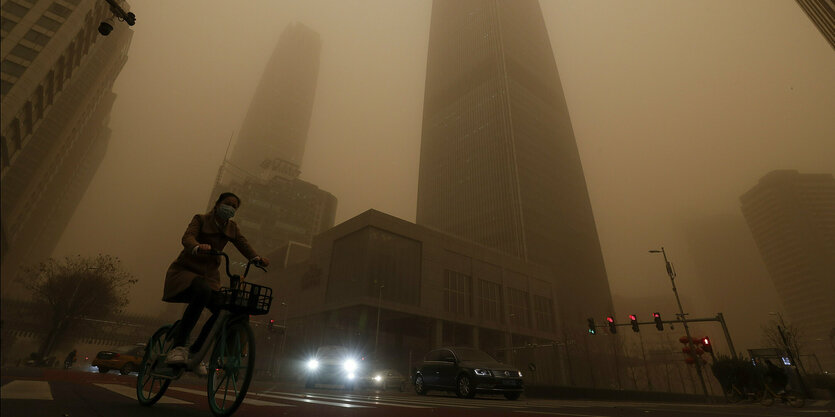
[124, 349]
[473, 355]
[331, 352]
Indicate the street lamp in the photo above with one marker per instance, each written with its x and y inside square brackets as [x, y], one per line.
[672, 273]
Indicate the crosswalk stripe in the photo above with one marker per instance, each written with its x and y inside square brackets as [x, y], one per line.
[365, 400]
[26, 390]
[249, 401]
[130, 392]
[312, 401]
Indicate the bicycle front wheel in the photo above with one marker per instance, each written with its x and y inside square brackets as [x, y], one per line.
[767, 399]
[230, 368]
[795, 400]
[149, 388]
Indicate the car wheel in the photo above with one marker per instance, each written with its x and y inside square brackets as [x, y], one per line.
[512, 396]
[103, 369]
[420, 389]
[127, 369]
[464, 387]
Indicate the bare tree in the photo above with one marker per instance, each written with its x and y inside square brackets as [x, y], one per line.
[792, 337]
[76, 287]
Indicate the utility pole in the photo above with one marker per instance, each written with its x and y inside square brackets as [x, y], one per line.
[671, 272]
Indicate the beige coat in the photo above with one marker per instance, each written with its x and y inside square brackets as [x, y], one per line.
[203, 229]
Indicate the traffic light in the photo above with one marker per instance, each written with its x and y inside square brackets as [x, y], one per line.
[658, 323]
[706, 346]
[271, 326]
[592, 328]
[634, 320]
[612, 328]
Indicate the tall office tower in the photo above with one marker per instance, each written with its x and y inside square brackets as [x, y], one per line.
[822, 14]
[278, 207]
[276, 124]
[792, 219]
[57, 79]
[499, 165]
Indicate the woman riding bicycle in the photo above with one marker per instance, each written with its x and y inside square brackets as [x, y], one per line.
[193, 277]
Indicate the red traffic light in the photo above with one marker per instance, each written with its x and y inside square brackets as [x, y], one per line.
[706, 341]
[632, 317]
[272, 321]
[656, 315]
[610, 319]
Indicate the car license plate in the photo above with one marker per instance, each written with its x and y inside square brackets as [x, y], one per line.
[509, 382]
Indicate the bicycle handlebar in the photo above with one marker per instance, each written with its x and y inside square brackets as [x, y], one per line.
[256, 262]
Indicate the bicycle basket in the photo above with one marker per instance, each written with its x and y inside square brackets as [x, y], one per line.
[248, 299]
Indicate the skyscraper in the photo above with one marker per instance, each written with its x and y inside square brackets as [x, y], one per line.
[499, 165]
[57, 78]
[822, 14]
[278, 207]
[792, 219]
[275, 127]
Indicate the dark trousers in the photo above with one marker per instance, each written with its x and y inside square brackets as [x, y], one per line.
[198, 296]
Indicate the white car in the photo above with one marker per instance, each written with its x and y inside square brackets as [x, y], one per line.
[332, 365]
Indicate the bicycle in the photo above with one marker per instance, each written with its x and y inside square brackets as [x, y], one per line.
[232, 340]
[769, 396]
[734, 394]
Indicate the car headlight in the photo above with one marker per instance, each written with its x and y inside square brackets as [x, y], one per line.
[482, 372]
[351, 375]
[520, 373]
[312, 364]
[378, 378]
[350, 365]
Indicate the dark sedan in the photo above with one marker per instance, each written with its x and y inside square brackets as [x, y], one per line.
[467, 371]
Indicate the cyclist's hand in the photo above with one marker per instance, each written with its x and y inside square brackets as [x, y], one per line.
[264, 262]
[202, 247]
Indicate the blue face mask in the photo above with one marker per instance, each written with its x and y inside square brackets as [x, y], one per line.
[225, 211]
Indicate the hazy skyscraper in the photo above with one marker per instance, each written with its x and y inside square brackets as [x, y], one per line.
[278, 207]
[276, 124]
[499, 164]
[792, 219]
[57, 78]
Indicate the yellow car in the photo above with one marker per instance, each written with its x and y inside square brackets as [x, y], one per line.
[124, 358]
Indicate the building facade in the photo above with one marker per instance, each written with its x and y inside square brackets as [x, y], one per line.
[499, 165]
[822, 14]
[276, 124]
[377, 283]
[57, 78]
[278, 210]
[792, 218]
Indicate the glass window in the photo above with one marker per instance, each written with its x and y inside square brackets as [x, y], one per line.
[5, 86]
[544, 311]
[36, 37]
[12, 68]
[60, 10]
[457, 292]
[24, 52]
[518, 306]
[7, 25]
[15, 9]
[490, 300]
[48, 23]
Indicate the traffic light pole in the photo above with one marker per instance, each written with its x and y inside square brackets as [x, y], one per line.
[683, 318]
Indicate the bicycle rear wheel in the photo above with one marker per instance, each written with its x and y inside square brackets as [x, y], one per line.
[230, 368]
[768, 398]
[149, 388]
[733, 395]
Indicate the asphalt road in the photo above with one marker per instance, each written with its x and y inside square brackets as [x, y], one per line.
[80, 394]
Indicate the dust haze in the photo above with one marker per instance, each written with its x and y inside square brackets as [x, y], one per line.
[678, 108]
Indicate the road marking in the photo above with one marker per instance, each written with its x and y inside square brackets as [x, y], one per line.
[130, 392]
[311, 401]
[559, 414]
[449, 402]
[249, 401]
[386, 402]
[26, 390]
